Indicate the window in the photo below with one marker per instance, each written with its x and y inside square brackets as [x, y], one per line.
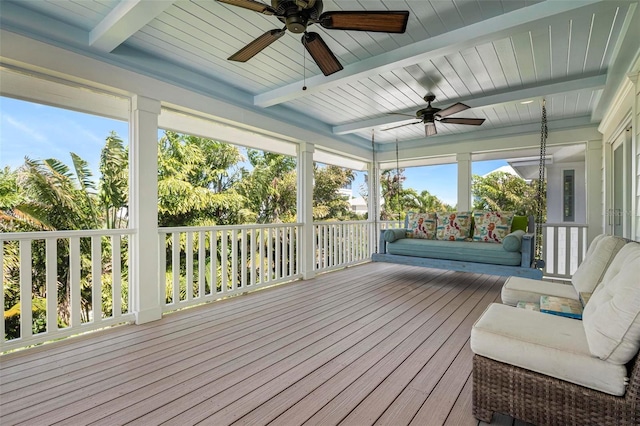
[568, 195]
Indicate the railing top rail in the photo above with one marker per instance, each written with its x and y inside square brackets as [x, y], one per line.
[43, 235]
[565, 225]
[167, 230]
[342, 222]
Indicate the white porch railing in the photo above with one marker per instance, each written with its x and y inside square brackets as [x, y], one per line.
[563, 248]
[339, 244]
[390, 224]
[207, 263]
[69, 282]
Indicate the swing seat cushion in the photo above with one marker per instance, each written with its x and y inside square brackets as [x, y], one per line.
[494, 254]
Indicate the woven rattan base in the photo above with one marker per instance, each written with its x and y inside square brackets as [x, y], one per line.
[544, 400]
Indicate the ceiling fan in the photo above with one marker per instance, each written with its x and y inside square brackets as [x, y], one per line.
[430, 115]
[297, 15]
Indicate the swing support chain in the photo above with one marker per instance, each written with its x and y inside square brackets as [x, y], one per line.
[538, 262]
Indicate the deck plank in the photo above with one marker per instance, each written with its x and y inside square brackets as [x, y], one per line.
[376, 342]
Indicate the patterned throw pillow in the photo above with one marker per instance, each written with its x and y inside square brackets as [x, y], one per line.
[491, 227]
[422, 225]
[453, 226]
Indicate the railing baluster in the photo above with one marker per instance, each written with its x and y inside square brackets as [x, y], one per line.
[51, 270]
[116, 275]
[261, 258]
[26, 296]
[243, 255]
[253, 234]
[74, 266]
[277, 260]
[175, 267]
[234, 259]
[225, 260]
[189, 267]
[202, 261]
[292, 245]
[213, 243]
[96, 278]
[269, 253]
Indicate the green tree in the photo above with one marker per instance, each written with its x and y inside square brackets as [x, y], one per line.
[270, 188]
[391, 185]
[423, 202]
[190, 175]
[327, 201]
[114, 182]
[504, 191]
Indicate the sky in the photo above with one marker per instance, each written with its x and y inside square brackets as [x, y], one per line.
[40, 132]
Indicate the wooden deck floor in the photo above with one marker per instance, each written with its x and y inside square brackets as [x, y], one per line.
[373, 344]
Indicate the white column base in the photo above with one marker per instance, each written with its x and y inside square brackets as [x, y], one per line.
[308, 275]
[149, 315]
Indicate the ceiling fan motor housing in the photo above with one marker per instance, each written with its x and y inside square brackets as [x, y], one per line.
[295, 14]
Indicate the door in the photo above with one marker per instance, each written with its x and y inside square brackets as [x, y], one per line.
[621, 187]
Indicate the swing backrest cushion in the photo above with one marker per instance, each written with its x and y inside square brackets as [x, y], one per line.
[591, 271]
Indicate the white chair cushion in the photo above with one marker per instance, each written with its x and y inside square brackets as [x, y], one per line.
[601, 252]
[516, 289]
[547, 344]
[612, 316]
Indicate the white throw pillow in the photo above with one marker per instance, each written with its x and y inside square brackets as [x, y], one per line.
[612, 317]
[601, 252]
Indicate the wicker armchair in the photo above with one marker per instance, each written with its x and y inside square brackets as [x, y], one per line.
[544, 400]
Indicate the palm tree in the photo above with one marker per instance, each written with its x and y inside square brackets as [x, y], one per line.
[424, 202]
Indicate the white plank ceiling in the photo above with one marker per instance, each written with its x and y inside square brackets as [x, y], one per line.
[489, 54]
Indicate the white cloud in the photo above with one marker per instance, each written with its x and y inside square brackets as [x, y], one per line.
[23, 127]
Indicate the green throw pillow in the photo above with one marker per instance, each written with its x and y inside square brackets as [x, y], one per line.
[519, 223]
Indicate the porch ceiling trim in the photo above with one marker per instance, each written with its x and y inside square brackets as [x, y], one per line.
[444, 44]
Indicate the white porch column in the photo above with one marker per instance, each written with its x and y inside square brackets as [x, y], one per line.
[143, 204]
[594, 179]
[464, 181]
[305, 209]
[373, 204]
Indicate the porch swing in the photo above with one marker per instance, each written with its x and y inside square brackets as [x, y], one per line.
[465, 256]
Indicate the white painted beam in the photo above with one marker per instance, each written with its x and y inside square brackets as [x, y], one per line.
[443, 44]
[493, 99]
[127, 18]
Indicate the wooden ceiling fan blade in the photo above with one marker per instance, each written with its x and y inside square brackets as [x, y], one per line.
[469, 121]
[401, 125]
[321, 54]
[386, 21]
[256, 46]
[457, 107]
[430, 129]
[256, 6]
